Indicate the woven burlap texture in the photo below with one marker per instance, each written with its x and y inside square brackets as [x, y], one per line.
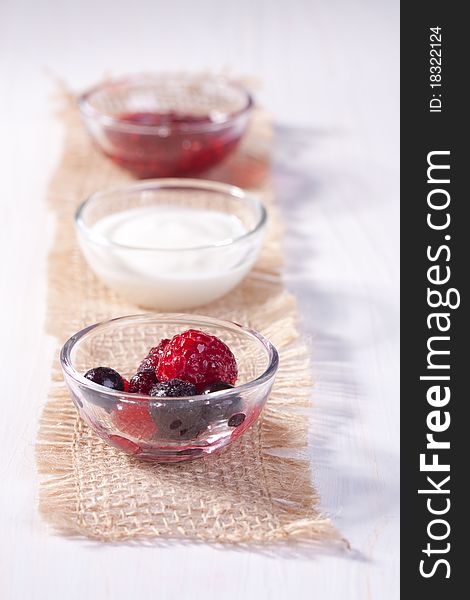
[259, 490]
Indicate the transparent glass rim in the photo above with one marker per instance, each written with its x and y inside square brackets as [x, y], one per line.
[227, 119]
[171, 184]
[183, 319]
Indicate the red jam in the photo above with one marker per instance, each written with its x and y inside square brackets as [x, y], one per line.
[179, 153]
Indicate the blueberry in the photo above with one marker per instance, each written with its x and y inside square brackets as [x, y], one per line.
[236, 420]
[106, 377]
[219, 409]
[214, 386]
[223, 409]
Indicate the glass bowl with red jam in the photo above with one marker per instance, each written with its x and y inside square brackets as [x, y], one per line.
[166, 125]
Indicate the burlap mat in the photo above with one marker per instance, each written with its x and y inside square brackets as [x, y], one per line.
[257, 491]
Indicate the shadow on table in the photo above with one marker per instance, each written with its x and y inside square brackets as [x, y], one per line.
[348, 494]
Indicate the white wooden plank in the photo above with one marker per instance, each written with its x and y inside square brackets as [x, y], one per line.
[330, 73]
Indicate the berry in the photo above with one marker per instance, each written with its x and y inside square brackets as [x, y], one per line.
[106, 377]
[175, 422]
[126, 384]
[197, 357]
[150, 362]
[215, 386]
[142, 382]
[173, 388]
[134, 420]
[236, 420]
[221, 409]
[178, 423]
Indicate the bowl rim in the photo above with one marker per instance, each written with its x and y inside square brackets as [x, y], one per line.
[188, 318]
[89, 112]
[168, 184]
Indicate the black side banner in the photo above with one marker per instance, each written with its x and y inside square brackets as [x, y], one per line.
[435, 433]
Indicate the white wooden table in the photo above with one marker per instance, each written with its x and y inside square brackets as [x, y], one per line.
[330, 73]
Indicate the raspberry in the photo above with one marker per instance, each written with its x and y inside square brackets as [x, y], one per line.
[173, 388]
[142, 382]
[106, 377]
[134, 420]
[126, 384]
[197, 357]
[152, 359]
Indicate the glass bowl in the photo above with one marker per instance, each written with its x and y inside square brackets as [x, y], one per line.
[171, 278]
[166, 429]
[166, 125]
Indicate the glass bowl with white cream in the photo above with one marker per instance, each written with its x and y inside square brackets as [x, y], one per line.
[171, 244]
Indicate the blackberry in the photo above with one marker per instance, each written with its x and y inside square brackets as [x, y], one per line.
[178, 423]
[142, 382]
[173, 388]
[173, 421]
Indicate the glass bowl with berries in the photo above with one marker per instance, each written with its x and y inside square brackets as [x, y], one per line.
[169, 387]
[166, 125]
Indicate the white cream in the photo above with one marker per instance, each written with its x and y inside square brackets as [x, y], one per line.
[158, 257]
[169, 227]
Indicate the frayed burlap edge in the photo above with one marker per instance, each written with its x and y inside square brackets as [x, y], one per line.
[277, 441]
